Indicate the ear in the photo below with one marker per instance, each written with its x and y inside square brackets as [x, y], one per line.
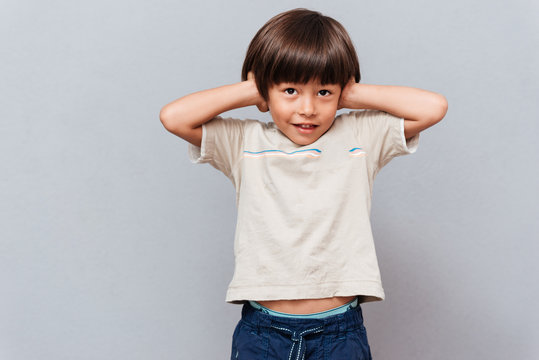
[263, 106]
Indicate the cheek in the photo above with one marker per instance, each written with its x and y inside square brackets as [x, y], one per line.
[329, 108]
[279, 111]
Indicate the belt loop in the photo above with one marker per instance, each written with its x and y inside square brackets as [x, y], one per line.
[342, 326]
[258, 320]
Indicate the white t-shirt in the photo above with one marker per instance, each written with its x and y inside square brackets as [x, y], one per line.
[303, 227]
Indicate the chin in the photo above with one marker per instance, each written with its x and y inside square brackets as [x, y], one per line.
[303, 142]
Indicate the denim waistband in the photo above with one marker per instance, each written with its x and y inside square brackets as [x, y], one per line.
[338, 310]
[345, 321]
[297, 328]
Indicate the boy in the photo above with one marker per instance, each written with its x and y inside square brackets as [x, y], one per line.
[304, 251]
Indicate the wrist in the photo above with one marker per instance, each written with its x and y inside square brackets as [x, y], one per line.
[356, 96]
[252, 95]
[246, 92]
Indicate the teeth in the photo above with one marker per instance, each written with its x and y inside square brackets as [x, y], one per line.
[306, 126]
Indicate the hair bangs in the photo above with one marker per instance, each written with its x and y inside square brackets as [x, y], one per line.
[303, 62]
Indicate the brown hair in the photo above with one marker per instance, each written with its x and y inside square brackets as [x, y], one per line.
[298, 46]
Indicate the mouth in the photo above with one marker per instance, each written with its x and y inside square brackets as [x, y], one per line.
[305, 128]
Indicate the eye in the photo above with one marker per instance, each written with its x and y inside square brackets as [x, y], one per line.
[324, 92]
[290, 91]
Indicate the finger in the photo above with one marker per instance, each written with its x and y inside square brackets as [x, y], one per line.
[341, 104]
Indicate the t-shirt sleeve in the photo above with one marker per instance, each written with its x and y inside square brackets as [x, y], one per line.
[221, 146]
[382, 135]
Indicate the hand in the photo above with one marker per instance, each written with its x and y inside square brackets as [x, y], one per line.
[346, 95]
[261, 104]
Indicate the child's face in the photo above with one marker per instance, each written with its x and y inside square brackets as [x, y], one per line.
[303, 112]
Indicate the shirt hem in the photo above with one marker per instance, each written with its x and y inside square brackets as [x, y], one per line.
[197, 154]
[367, 291]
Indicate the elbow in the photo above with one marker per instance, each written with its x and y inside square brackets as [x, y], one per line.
[165, 118]
[171, 123]
[441, 108]
[170, 120]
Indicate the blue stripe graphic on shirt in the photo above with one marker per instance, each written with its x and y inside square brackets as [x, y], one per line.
[305, 152]
[357, 151]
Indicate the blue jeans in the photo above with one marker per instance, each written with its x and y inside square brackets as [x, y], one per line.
[261, 336]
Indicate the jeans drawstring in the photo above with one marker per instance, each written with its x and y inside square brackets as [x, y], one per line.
[297, 338]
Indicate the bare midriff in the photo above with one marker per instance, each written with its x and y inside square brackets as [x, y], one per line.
[306, 306]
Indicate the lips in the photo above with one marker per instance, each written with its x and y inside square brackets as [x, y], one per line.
[305, 126]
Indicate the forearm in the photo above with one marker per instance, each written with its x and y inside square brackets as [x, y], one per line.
[193, 110]
[405, 102]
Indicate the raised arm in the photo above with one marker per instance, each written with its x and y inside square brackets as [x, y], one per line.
[184, 117]
[419, 108]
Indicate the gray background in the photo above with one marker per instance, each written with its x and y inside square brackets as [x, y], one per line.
[114, 246]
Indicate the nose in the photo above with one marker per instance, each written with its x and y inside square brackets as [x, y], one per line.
[307, 106]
